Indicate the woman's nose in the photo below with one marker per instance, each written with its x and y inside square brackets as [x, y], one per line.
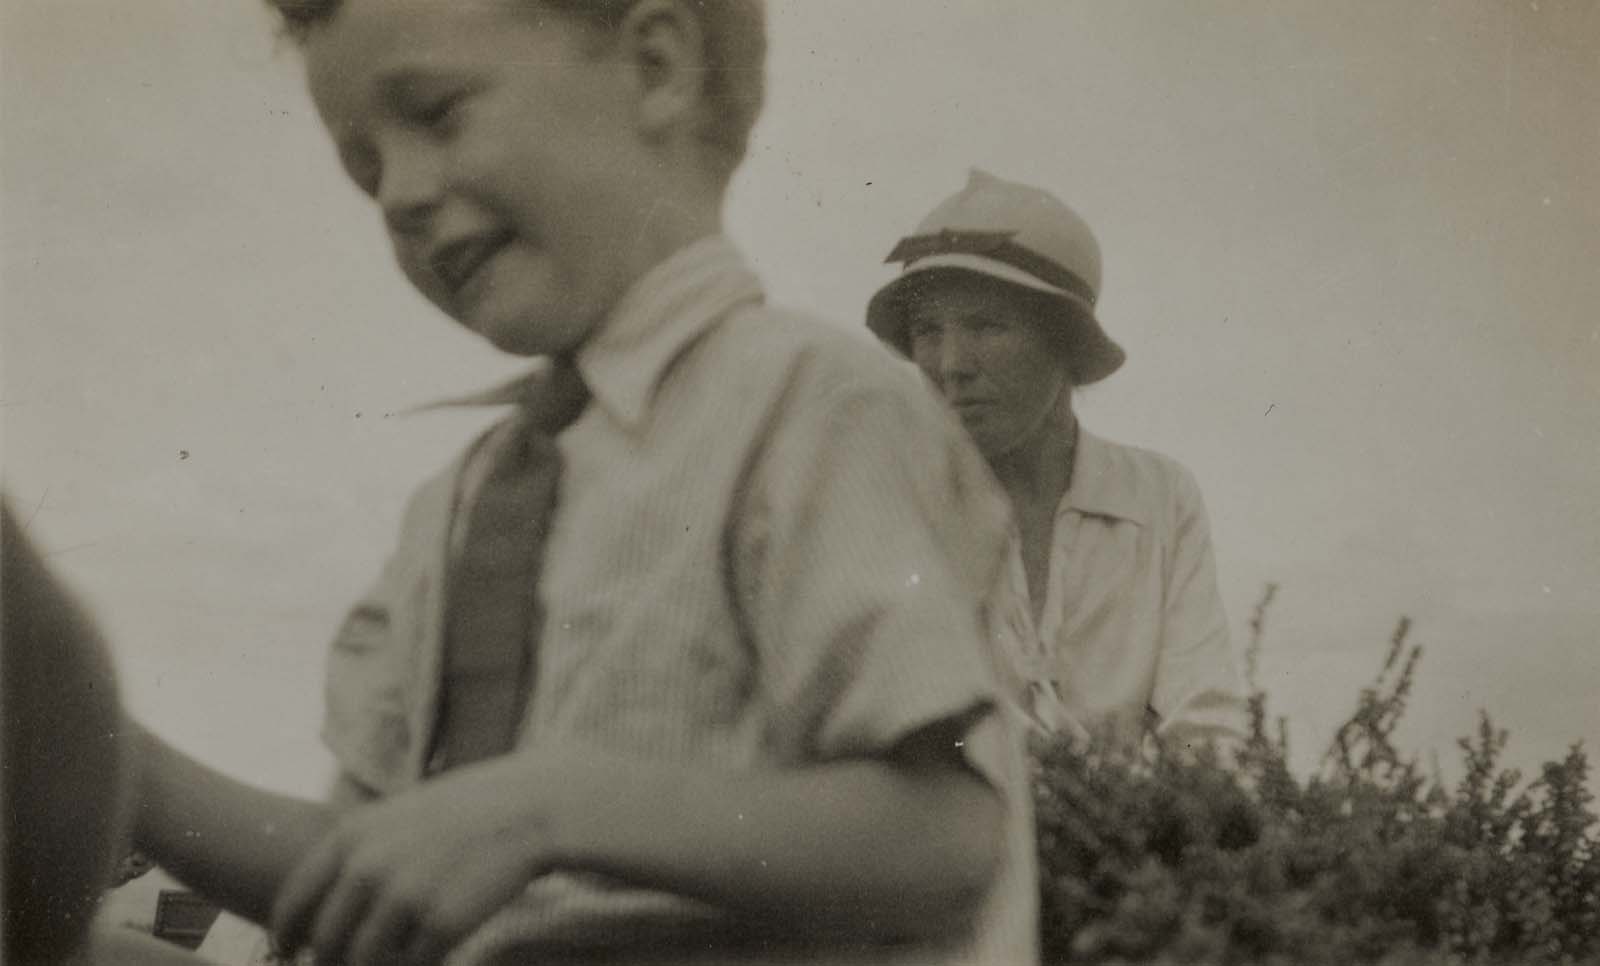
[955, 355]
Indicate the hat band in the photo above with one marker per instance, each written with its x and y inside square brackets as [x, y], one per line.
[996, 245]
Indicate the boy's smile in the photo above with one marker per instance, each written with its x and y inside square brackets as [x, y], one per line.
[499, 143]
[469, 261]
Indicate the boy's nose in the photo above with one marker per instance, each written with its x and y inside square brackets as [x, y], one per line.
[407, 218]
[408, 195]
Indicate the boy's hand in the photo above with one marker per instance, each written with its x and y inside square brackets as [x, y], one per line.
[406, 879]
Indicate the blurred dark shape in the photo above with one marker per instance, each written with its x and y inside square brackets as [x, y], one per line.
[66, 766]
[133, 865]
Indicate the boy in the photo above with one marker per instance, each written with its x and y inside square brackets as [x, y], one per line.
[749, 715]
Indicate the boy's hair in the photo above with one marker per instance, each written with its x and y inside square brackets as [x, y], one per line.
[735, 52]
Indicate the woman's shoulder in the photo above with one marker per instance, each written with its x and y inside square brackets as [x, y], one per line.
[1136, 460]
[1149, 485]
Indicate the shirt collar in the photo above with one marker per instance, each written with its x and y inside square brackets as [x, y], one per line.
[1102, 484]
[672, 304]
[660, 314]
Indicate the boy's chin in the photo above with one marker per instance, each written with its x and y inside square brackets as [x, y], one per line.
[523, 337]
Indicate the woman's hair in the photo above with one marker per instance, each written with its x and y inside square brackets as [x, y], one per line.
[1067, 340]
[735, 53]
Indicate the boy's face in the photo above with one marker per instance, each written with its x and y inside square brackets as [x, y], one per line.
[498, 146]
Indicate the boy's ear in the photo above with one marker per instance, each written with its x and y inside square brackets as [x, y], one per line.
[666, 45]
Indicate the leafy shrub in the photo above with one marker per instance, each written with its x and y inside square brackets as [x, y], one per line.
[1155, 857]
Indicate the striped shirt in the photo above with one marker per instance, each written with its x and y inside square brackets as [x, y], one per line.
[771, 550]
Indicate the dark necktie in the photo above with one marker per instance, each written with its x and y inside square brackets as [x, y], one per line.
[494, 615]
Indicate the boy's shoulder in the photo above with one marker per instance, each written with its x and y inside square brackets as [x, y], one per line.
[794, 351]
[430, 506]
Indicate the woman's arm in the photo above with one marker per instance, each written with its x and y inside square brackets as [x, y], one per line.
[1199, 691]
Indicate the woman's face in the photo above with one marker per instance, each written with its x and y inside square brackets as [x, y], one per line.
[982, 344]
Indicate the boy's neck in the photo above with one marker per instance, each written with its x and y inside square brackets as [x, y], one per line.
[674, 221]
[693, 225]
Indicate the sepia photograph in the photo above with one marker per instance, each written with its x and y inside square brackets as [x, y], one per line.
[800, 481]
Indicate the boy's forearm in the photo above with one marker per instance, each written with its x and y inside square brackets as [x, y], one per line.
[226, 840]
[860, 848]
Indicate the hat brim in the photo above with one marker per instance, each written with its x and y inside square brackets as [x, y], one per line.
[1094, 354]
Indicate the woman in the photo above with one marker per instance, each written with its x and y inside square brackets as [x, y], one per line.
[1109, 609]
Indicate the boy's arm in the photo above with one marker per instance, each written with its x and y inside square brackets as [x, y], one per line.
[226, 840]
[904, 847]
[857, 849]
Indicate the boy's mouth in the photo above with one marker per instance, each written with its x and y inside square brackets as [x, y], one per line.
[457, 262]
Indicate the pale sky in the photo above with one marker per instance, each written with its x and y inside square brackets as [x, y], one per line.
[1350, 248]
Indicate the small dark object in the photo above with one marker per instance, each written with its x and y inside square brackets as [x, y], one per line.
[183, 918]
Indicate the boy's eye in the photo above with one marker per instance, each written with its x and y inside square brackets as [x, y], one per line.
[438, 114]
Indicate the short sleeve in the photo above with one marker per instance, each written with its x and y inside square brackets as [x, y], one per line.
[1199, 692]
[870, 539]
